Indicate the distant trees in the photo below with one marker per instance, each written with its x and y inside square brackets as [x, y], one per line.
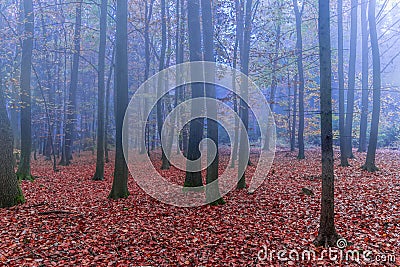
[120, 182]
[327, 233]
[24, 167]
[70, 122]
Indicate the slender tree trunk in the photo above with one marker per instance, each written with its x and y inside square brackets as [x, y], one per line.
[327, 233]
[120, 182]
[71, 104]
[351, 82]
[243, 108]
[24, 168]
[108, 95]
[99, 174]
[194, 179]
[342, 132]
[300, 69]
[376, 106]
[212, 190]
[362, 144]
[165, 163]
[293, 140]
[274, 83]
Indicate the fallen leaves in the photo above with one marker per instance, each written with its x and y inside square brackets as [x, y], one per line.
[92, 230]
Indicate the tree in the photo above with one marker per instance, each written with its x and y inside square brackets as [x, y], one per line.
[120, 182]
[342, 132]
[300, 69]
[351, 81]
[24, 168]
[243, 108]
[193, 179]
[212, 125]
[362, 144]
[10, 191]
[327, 233]
[376, 75]
[71, 105]
[165, 162]
[99, 174]
[293, 133]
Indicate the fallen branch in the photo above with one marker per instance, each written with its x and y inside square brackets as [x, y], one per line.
[54, 212]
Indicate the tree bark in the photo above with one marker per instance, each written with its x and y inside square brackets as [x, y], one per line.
[300, 70]
[212, 191]
[243, 108]
[120, 182]
[327, 233]
[362, 144]
[342, 132]
[194, 179]
[24, 168]
[351, 82]
[376, 106]
[293, 139]
[99, 174]
[10, 191]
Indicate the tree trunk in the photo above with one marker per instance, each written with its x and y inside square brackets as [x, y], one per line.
[212, 191]
[300, 69]
[293, 139]
[362, 144]
[342, 132]
[351, 82]
[376, 106]
[24, 168]
[71, 104]
[194, 179]
[327, 233]
[165, 163]
[10, 191]
[243, 108]
[120, 182]
[99, 174]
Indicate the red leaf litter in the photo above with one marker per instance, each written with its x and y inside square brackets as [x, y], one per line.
[68, 220]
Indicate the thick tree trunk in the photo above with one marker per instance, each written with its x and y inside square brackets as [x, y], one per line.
[300, 70]
[120, 182]
[24, 168]
[99, 174]
[376, 66]
[327, 233]
[71, 104]
[362, 144]
[194, 179]
[10, 192]
[351, 82]
[342, 132]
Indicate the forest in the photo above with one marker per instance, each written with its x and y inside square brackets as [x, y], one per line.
[199, 133]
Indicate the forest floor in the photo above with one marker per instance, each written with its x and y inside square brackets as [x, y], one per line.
[68, 220]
